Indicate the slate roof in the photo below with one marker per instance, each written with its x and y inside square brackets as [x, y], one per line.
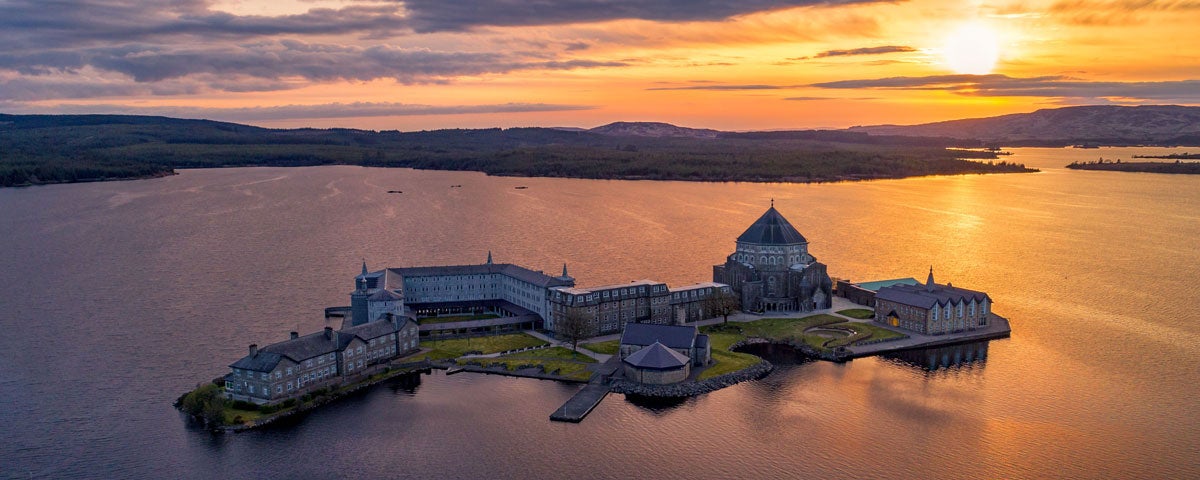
[308, 346]
[657, 357]
[385, 296]
[673, 336]
[771, 229]
[262, 362]
[925, 297]
[515, 271]
[370, 330]
[701, 341]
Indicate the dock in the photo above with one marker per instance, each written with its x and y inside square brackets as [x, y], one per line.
[581, 404]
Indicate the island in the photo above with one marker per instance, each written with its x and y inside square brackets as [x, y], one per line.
[41, 149]
[643, 338]
[1177, 166]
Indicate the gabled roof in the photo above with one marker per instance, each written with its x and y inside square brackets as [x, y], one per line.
[658, 357]
[384, 295]
[925, 297]
[308, 346]
[370, 330]
[515, 271]
[260, 362]
[771, 229]
[673, 336]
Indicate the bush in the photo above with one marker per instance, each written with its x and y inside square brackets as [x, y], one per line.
[244, 405]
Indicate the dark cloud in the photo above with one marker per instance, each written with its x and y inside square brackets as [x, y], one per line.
[261, 66]
[865, 51]
[725, 87]
[443, 15]
[293, 112]
[1184, 91]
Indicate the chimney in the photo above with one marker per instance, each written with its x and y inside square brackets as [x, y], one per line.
[253, 349]
[294, 335]
[391, 318]
[328, 332]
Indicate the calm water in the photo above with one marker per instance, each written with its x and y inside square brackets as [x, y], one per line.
[116, 297]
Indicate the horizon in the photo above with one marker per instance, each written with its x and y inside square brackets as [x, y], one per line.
[756, 66]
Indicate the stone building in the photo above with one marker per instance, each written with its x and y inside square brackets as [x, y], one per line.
[772, 270]
[932, 309]
[611, 307]
[329, 358]
[657, 365]
[686, 340]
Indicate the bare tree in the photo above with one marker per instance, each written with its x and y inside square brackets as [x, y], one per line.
[721, 303]
[576, 324]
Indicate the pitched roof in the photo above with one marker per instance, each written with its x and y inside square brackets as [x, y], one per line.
[657, 356]
[521, 273]
[771, 229]
[673, 336]
[308, 346]
[261, 362]
[925, 297]
[370, 330]
[384, 296]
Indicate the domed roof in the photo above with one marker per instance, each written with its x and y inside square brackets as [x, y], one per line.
[771, 229]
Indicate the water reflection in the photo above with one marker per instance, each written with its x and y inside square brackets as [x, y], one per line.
[405, 384]
[973, 354]
[657, 405]
[777, 354]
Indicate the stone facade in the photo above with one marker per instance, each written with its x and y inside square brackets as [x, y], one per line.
[932, 309]
[330, 358]
[772, 270]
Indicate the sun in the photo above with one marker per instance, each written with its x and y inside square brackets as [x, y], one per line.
[972, 48]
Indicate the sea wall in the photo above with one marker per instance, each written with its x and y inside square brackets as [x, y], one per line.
[690, 389]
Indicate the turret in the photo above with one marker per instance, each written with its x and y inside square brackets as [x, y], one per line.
[929, 283]
[489, 260]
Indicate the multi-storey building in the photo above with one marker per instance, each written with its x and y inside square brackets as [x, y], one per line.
[932, 309]
[329, 358]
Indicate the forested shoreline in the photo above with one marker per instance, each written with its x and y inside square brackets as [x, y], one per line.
[41, 149]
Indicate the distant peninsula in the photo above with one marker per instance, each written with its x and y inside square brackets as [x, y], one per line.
[1145, 167]
[42, 149]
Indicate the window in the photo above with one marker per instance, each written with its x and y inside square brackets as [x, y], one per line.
[278, 375]
[279, 389]
[289, 371]
[264, 375]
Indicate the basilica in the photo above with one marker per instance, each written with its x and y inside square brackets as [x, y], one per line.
[771, 269]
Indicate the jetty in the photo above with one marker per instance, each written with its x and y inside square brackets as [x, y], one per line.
[581, 404]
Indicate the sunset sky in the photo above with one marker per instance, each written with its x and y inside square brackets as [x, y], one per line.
[733, 65]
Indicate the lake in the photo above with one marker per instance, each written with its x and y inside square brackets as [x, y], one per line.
[117, 297]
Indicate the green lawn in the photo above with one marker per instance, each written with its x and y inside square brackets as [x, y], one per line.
[457, 347]
[457, 318]
[568, 363]
[859, 313]
[725, 361]
[608, 348]
[723, 336]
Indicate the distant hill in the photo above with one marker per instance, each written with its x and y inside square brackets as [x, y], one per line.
[1103, 124]
[654, 130]
[39, 149]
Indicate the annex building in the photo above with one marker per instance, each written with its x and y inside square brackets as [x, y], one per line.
[932, 308]
[772, 270]
[519, 297]
[662, 354]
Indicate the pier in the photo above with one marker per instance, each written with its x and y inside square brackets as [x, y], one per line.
[580, 405]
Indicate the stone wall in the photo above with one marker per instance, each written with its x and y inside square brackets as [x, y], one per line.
[690, 389]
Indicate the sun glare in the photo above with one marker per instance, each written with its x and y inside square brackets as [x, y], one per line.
[972, 48]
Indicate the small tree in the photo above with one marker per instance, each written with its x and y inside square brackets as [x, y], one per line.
[721, 303]
[574, 325]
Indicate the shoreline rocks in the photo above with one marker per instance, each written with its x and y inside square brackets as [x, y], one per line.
[691, 389]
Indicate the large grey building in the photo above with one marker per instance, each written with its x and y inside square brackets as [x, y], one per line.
[772, 270]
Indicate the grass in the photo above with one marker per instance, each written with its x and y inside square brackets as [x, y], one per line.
[457, 347]
[247, 415]
[859, 313]
[457, 318]
[607, 348]
[782, 329]
[569, 364]
[725, 361]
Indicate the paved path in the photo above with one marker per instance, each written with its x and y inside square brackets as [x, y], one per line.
[581, 404]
